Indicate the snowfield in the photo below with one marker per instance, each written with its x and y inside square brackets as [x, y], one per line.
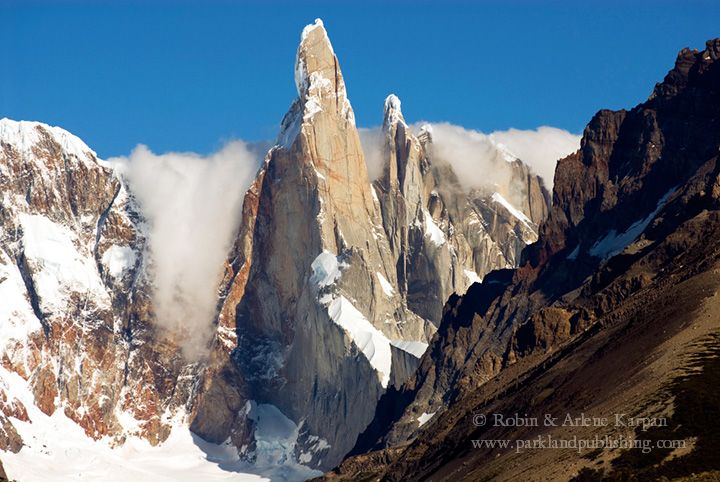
[60, 269]
[57, 449]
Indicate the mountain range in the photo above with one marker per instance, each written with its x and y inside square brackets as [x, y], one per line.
[331, 291]
[369, 326]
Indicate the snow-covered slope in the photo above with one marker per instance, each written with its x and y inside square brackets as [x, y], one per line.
[56, 448]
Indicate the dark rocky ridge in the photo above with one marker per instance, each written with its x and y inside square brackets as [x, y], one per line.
[652, 169]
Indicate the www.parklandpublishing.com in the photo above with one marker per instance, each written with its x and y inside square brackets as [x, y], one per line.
[607, 442]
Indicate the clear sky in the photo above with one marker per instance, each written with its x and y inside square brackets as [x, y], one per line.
[187, 76]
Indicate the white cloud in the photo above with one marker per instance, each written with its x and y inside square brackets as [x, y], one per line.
[478, 158]
[193, 207]
[540, 148]
[373, 144]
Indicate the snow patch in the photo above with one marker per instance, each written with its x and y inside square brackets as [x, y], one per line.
[17, 319]
[393, 112]
[309, 28]
[316, 88]
[374, 193]
[415, 348]
[613, 243]
[24, 135]
[504, 151]
[118, 259]
[326, 269]
[432, 230]
[385, 284]
[472, 276]
[514, 211]
[425, 418]
[291, 125]
[275, 440]
[369, 340]
[58, 268]
[57, 449]
[319, 175]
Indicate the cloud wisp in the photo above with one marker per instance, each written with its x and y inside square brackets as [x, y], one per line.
[192, 205]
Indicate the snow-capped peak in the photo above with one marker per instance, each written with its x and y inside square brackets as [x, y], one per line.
[318, 81]
[302, 76]
[24, 135]
[425, 134]
[393, 111]
[310, 27]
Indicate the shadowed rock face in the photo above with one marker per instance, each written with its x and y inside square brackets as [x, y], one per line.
[634, 218]
[330, 294]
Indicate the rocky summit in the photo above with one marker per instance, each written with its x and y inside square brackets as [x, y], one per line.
[330, 295]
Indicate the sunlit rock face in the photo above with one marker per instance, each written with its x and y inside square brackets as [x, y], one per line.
[336, 283]
[444, 237]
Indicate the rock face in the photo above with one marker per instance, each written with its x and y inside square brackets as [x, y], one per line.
[625, 264]
[337, 282]
[317, 313]
[331, 292]
[76, 310]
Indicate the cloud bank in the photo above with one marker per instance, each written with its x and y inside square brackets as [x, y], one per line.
[540, 148]
[193, 206]
[479, 159]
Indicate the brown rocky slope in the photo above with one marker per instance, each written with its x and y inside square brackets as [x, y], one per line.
[614, 309]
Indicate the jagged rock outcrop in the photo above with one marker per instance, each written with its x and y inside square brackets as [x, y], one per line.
[314, 297]
[336, 283]
[622, 283]
[442, 237]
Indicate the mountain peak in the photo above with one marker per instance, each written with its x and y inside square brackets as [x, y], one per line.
[690, 65]
[319, 82]
[393, 111]
[315, 55]
[24, 135]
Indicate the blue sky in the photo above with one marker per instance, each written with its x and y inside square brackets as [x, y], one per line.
[187, 76]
